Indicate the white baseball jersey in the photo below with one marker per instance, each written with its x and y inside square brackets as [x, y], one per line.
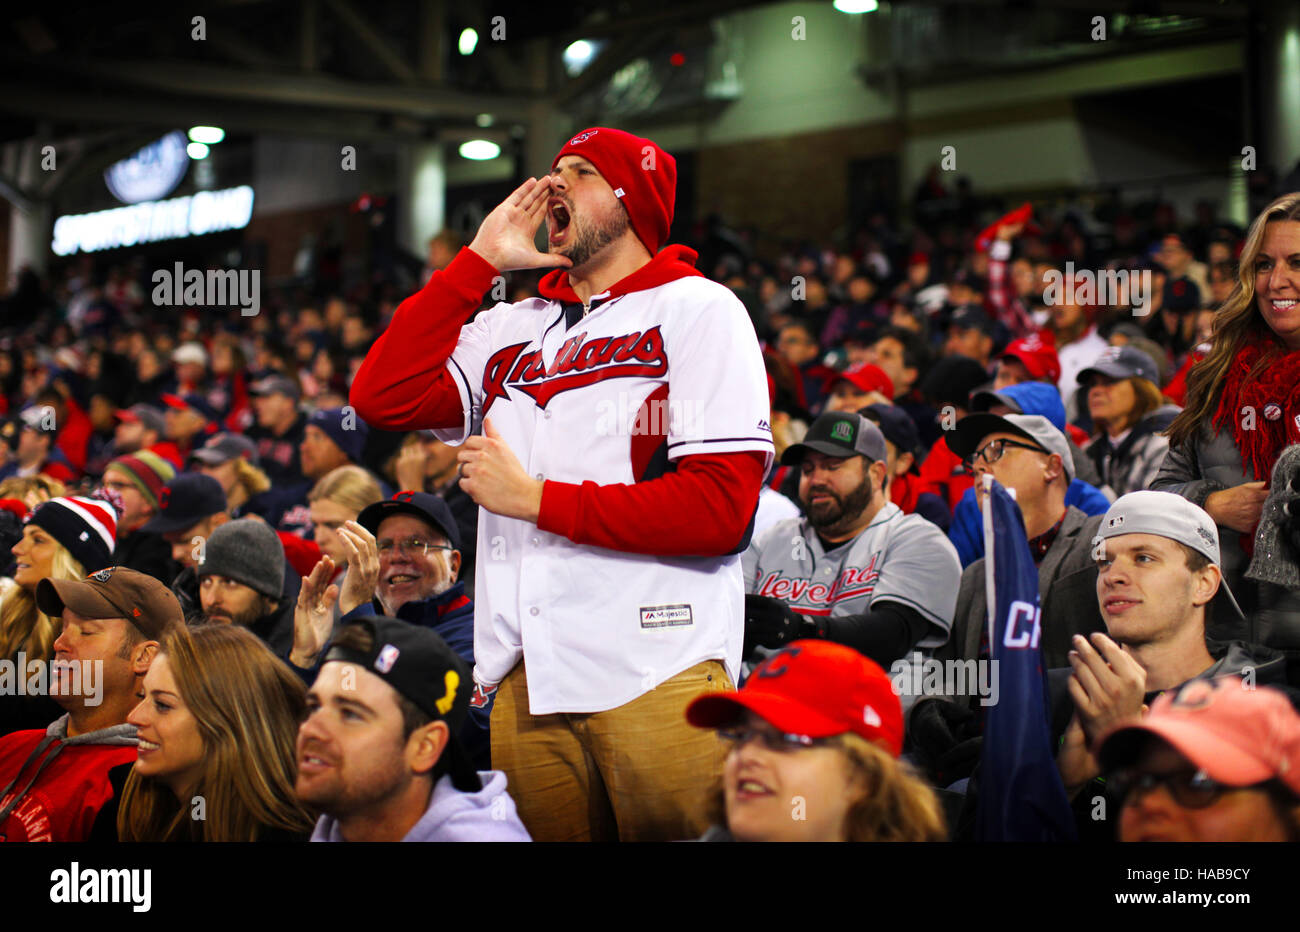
[678, 363]
[899, 558]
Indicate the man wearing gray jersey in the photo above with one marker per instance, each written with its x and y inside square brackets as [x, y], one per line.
[855, 570]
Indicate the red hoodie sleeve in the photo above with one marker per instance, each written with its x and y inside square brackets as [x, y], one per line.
[702, 509]
[403, 384]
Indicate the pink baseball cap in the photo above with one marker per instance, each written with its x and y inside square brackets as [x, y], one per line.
[1237, 734]
[814, 688]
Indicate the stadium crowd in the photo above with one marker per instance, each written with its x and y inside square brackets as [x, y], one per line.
[257, 611]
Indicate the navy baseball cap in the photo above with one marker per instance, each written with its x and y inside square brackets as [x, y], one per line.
[898, 428]
[839, 433]
[344, 427]
[195, 402]
[222, 448]
[1123, 362]
[424, 505]
[420, 666]
[185, 501]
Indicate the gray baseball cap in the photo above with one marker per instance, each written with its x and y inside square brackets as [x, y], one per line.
[839, 433]
[1165, 514]
[973, 428]
[1123, 362]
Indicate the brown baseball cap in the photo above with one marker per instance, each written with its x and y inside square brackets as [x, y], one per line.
[114, 592]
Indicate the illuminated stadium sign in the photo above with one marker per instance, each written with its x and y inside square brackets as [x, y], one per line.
[152, 172]
[152, 221]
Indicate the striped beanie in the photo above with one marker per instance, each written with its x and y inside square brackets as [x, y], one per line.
[148, 471]
[86, 527]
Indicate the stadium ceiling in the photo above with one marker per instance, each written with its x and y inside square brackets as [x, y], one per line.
[100, 79]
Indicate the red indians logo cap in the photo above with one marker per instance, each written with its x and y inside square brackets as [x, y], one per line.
[814, 688]
[583, 137]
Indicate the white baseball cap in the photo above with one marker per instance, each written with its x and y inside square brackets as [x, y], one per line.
[1165, 514]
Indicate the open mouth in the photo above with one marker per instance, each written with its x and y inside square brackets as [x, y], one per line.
[401, 579]
[146, 746]
[1284, 305]
[559, 214]
[309, 763]
[751, 789]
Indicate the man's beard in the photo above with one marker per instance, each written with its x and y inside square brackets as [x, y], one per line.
[372, 785]
[243, 619]
[831, 515]
[588, 241]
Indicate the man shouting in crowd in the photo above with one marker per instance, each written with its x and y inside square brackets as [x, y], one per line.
[615, 434]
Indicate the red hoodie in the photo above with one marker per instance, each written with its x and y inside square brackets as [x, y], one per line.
[403, 384]
[73, 782]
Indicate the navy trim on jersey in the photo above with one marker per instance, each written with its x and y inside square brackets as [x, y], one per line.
[469, 395]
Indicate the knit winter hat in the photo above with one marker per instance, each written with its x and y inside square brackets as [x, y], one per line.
[342, 425]
[248, 552]
[643, 176]
[86, 527]
[148, 471]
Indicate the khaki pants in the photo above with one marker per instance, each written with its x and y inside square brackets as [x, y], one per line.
[638, 772]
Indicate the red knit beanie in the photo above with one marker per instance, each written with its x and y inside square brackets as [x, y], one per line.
[643, 176]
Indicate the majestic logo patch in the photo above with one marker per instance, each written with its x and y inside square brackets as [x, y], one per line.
[580, 362]
[665, 616]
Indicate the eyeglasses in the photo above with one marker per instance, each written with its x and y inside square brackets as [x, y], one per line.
[992, 451]
[411, 546]
[772, 740]
[1191, 789]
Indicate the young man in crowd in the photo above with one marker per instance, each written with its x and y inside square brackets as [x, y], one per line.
[279, 429]
[590, 680]
[63, 783]
[378, 753]
[1158, 571]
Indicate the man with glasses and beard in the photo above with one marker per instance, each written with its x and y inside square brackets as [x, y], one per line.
[856, 570]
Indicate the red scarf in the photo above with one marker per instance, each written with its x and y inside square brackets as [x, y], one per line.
[1263, 378]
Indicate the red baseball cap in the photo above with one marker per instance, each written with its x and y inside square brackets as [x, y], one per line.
[867, 377]
[814, 688]
[1036, 355]
[1237, 734]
